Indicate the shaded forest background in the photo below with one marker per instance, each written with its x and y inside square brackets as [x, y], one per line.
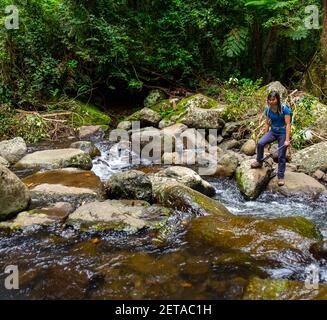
[98, 48]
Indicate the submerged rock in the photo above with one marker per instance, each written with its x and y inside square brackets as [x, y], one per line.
[130, 184]
[279, 242]
[68, 184]
[297, 183]
[42, 216]
[312, 158]
[55, 159]
[251, 182]
[269, 289]
[118, 215]
[14, 195]
[13, 150]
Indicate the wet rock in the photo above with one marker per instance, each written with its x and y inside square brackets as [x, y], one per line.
[269, 289]
[249, 147]
[13, 150]
[189, 178]
[14, 195]
[118, 215]
[130, 184]
[280, 242]
[312, 158]
[251, 182]
[70, 184]
[92, 133]
[88, 147]
[36, 217]
[297, 183]
[178, 196]
[319, 250]
[124, 125]
[154, 97]
[55, 159]
[146, 116]
[4, 162]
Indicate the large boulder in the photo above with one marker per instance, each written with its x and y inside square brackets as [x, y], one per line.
[146, 116]
[227, 164]
[275, 86]
[55, 159]
[297, 183]
[130, 184]
[13, 150]
[283, 242]
[312, 158]
[200, 118]
[272, 289]
[57, 212]
[70, 184]
[154, 97]
[197, 101]
[14, 195]
[251, 182]
[118, 215]
[187, 177]
[88, 147]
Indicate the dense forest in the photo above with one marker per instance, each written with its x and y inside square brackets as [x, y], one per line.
[95, 48]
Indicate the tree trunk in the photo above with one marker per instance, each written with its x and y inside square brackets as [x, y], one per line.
[315, 79]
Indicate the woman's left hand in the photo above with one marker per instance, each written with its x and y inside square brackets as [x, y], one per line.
[287, 143]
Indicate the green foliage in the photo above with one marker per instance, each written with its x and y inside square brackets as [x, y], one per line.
[235, 42]
[303, 118]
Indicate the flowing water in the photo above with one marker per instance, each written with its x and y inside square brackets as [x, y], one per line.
[56, 262]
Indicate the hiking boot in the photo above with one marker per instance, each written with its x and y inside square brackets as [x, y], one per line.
[281, 182]
[256, 164]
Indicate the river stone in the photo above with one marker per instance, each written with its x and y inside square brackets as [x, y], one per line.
[130, 184]
[283, 242]
[199, 118]
[227, 164]
[4, 162]
[14, 195]
[297, 183]
[69, 184]
[230, 144]
[312, 158]
[118, 215]
[188, 177]
[154, 97]
[93, 133]
[13, 150]
[146, 116]
[230, 128]
[270, 289]
[178, 196]
[251, 181]
[88, 147]
[124, 125]
[274, 149]
[187, 157]
[55, 159]
[43, 216]
[249, 147]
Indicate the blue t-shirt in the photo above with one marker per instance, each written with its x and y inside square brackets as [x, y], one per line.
[278, 124]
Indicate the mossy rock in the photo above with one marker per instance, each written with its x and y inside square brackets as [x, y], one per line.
[90, 115]
[268, 289]
[154, 97]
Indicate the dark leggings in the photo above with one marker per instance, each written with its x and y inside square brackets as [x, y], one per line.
[270, 137]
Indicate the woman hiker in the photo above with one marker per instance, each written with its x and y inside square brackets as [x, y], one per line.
[278, 118]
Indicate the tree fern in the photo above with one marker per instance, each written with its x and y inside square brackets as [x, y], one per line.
[235, 42]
